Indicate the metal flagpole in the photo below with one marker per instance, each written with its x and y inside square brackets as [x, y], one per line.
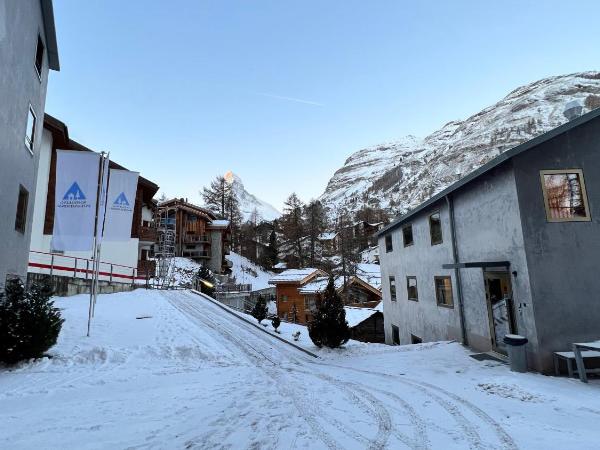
[100, 231]
[95, 249]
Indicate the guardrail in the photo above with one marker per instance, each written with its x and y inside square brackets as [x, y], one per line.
[75, 267]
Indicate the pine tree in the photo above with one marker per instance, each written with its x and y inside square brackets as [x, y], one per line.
[293, 228]
[29, 322]
[216, 196]
[206, 275]
[316, 223]
[259, 312]
[329, 327]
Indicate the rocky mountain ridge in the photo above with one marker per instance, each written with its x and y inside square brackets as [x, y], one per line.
[400, 175]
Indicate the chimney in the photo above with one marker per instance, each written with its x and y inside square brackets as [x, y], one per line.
[573, 110]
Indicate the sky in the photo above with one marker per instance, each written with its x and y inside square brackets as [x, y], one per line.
[282, 92]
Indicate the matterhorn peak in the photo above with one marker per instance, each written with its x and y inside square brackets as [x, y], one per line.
[248, 202]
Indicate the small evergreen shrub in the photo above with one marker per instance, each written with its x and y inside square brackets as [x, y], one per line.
[29, 322]
[329, 327]
[259, 312]
[275, 321]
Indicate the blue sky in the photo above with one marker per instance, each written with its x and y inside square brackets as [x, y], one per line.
[282, 92]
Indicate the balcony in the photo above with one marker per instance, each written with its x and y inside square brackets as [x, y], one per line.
[196, 254]
[148, 234]
[196, 239]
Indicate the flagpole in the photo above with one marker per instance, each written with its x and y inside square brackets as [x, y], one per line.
[96, 245]
[100, 231]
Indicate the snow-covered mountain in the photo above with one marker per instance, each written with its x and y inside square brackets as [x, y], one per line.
[400, 175]
[248, 202]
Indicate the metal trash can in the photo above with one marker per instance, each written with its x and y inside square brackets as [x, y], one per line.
[517, 354]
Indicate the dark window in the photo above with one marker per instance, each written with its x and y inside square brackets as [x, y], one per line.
[39, 57]
[407, 235]
[388, 243]
[565, 197]
[30, 131]
[283, 298]
[393, 288]
[443, 291]
[395, 335]
[411, 288]
[415, 339]
[21, 218]
[435, 228]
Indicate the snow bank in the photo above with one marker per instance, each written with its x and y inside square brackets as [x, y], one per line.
[246, 272]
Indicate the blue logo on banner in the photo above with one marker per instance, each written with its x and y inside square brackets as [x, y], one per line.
[74, 193]
[121, 200]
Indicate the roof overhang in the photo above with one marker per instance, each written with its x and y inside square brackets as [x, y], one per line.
[479, 265]
[50, 33]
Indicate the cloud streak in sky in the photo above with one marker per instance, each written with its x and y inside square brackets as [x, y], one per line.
[288, 99]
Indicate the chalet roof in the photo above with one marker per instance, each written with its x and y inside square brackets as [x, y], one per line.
[327, 236]
[180, 203]
[370, 273]
[50, 33]
[355, 315]
[320, 283]
[296, 276]
[503, 157]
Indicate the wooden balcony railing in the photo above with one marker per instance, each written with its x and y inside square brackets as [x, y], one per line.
[148, 234]
[196, 239]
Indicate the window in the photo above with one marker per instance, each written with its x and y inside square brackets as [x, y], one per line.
[388, 243]
[565, 197]
[283, 298]
[310, 303]
[415, 339]
[39, 57]
[411, 288]
[435, 228]
[21, 218]
[395, 335]
[407, 235]
[443, 291]
[393, 288]
[30, 131]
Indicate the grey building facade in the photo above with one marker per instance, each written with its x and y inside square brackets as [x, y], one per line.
[511, 248]
[28, 50]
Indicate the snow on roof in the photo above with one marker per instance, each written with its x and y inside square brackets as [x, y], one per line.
[319, 284]
[292, 275]
[370, 273]
[280, 265]
[327, 236]
[355, 315]
[219, 223]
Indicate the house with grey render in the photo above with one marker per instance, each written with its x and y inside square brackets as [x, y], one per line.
[28, 50]
[513, 247]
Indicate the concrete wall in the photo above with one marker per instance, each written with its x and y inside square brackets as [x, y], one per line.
[20, 23]
[423, 318]
[216, 248]
[488, 228]
[64, 286]
[563, 257]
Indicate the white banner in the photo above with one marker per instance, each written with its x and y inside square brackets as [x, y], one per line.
[122, 188]
[75, 192]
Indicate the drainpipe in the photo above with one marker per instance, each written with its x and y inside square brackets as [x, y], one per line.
[461, 307]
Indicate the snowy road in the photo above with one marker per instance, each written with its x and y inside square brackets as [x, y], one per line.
[193, 376]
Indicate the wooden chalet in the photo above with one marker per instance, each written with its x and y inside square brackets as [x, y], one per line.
[290, 302]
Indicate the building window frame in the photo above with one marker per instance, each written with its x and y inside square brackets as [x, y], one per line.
[38, 60]
[441, 238]
[412, 238]
[414, 298]
[21, 214]
[389, 244]
[392, 286]
[436, 279]
[584, 197]
[30, 140]
[283, 298]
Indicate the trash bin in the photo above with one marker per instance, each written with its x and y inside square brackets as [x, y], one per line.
[517, 355]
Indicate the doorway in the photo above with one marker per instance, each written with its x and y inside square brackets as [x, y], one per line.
[498, 292]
